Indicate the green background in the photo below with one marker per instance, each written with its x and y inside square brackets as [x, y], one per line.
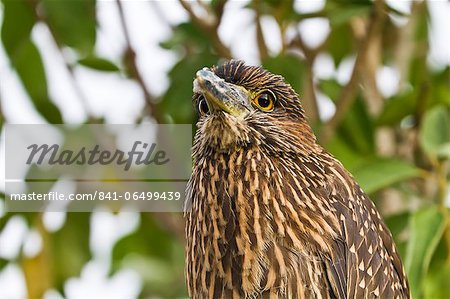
[397, 147]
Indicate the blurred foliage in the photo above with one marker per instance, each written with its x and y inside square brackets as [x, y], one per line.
[398, 148]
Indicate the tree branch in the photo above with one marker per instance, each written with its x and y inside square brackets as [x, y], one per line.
[262, 47]
[160, 14]
[219, 9]
[372, 95]
[310, 100]
[404, 47]
[210, 28]
[74, 82]
[130, 60]
[348, 93]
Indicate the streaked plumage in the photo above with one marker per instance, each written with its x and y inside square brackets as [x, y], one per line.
[271, 214]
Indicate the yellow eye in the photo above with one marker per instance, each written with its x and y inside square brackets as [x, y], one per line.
[265, 101]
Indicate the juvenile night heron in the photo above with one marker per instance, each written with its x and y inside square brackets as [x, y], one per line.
[271, 214]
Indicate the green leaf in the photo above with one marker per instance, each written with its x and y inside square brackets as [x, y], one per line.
[441, 88]
[288, 66]
[422, 28]
[437, 284]
[436, 281]
[340, 13]
[177, 101]
[331, 88]
[186, 34]
[357, 129]
[282, 11]
[24, 56]
[340, 43]
[30, 69]
[440, 255]
[99, 64]
[345, 153]
[27, 216]
[398, 225]
[378, 173]
[397, 108]
[70, 247]
[149, 240]
[2, 119]
[435, 132]
[419, 72]
[3, 263]
[18, 20]
[427, 226]
[156, 255]
[72, 22]
[353, 143]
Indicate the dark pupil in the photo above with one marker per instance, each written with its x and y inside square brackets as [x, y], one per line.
[203, 106]
[264, 101]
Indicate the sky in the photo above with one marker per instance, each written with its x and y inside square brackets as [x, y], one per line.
[124, 102]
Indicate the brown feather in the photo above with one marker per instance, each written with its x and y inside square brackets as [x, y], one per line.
[270, 214]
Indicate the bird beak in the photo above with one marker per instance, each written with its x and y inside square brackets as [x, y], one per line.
[221, 95]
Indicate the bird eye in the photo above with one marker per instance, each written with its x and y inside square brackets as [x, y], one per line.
[203, 107]
[265, 101]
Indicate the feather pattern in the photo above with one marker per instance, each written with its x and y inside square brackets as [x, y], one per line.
[271, 214]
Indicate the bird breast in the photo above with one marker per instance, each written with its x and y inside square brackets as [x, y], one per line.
[254, 221]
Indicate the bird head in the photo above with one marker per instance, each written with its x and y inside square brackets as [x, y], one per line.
[241, 105]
